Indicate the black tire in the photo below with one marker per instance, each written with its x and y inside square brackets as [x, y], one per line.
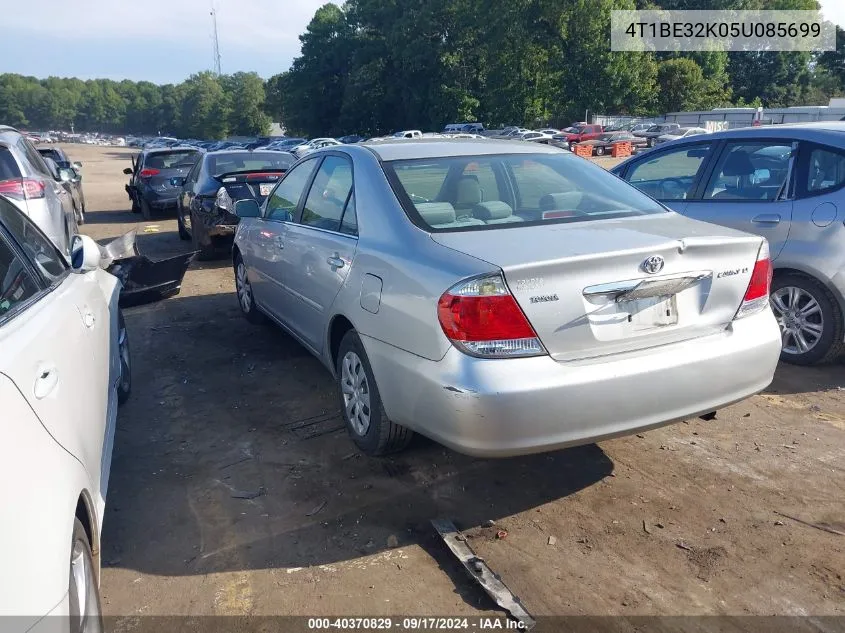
[243, 292]
[136, 208]
[146, 211]
[650, 142]
[80, 216]
[183, 233]
[88, 617]
[829, 345]
[599, 151]
[381, 436]
[124, 386]
[205, 252]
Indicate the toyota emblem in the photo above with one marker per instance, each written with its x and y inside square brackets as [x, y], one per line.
[653, 264]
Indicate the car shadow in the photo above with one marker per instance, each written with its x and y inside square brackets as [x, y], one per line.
[795, 379]
[232, 455]
[114, 216]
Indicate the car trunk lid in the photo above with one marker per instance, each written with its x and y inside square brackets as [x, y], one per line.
[255, 185]
[584, 286]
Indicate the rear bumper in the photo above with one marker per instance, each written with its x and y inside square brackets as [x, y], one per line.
[159, 199]
[499, 408]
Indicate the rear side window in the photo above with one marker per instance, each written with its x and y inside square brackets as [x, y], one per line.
[37, 247]
[8, 166]
[750, 171]
[671, 175]
[34, 159]
[529, 188]
[826, 170]
[327, 198]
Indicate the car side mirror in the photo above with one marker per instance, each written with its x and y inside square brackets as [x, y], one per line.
[247, 209]
[177, 181]
[77, 164]
[85, 254]
[128, 171]
[66, 175]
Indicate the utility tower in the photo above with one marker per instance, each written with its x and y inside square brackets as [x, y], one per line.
[216, 41]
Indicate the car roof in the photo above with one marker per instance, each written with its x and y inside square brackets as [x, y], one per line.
[406, 149]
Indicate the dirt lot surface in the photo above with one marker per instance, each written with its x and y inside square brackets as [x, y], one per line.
[235, 489]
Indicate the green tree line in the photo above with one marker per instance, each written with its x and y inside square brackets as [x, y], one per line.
[203, 106]
[374, 66]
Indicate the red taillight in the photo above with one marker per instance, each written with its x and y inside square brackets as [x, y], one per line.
[263, 175]
[481, 317]
[149, 172]
[757, 294]
[22, 189]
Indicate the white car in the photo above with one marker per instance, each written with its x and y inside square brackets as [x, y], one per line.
[680, 133]
[306, 148]
[64, 369]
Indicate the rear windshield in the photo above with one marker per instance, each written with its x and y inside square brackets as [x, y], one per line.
[170, 160]
[249, 161]
[8, 167]
[475, 192]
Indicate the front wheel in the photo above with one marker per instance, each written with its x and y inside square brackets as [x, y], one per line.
[360, 402]
[83, 594]
[810, 320]
[183, 233]
[146, 210]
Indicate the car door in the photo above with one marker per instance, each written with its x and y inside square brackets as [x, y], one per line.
[749, 187]
[320, 246]
[55, 333]
[670, 176]
[265, 240]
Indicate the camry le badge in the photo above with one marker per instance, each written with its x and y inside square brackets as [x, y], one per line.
[653, 265]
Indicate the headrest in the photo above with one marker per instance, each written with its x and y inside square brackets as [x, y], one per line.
[469, 191]
[738, 164]
[492, 210]
[436, 212]
[567, 200]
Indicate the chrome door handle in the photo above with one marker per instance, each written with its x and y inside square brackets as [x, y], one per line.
[766, 218]
[335, 261]
[48, 378]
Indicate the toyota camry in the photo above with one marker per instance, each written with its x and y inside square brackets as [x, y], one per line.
[503, 298]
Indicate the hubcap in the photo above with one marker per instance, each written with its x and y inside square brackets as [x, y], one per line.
[123, 348]
[87, 603]
[800, 318]
[356, 393]
[244, 289]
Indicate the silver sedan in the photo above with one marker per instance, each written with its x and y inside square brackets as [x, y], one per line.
[503, 298]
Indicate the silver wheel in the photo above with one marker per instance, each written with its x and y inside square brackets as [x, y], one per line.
[83, 591]
[244, 289]
[800, 318]
[356, 393]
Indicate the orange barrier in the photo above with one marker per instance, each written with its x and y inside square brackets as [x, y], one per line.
[584, 151]
[621, 149]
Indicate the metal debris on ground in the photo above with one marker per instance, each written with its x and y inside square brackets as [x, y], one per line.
[482, 574]
[489, 523]
[502, 534]
[552, 540]
[645, 527]
[824, 527]
[683, 546]
[245, 494]
[317, 509]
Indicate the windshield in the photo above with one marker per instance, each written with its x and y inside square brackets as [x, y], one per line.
[249, 161]
[475, 192]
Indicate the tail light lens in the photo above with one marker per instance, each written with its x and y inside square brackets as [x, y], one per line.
[224, 201]
[23, 189]
[481, 317]
[149, 172]
[757, 295]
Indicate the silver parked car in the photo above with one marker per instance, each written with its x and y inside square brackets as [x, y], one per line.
[503, 297]
[36, 188]
[785, 183]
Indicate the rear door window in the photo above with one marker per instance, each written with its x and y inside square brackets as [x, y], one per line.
[8, 165]
[824, 171]
[40, 250]
[670, 175]
[328, 195]
[754, 171]
[17, 284]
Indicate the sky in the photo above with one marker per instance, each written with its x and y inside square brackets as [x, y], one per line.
[165, 41]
